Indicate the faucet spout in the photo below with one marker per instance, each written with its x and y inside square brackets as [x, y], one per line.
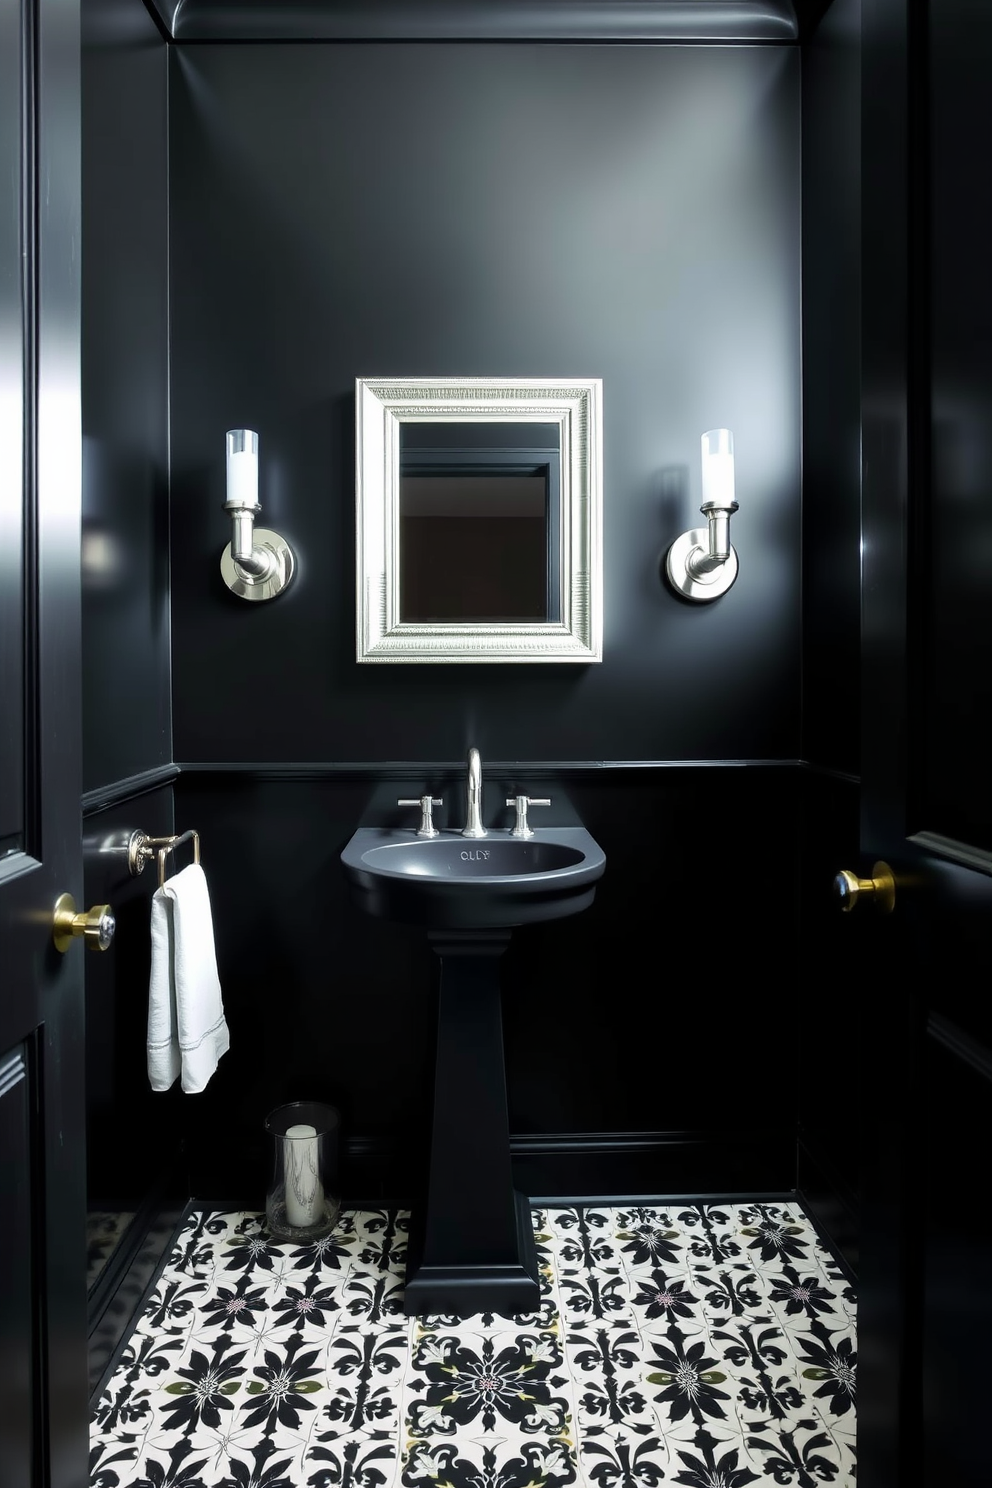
[473, 797]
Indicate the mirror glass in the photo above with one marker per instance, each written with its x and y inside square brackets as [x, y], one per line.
[478, 521]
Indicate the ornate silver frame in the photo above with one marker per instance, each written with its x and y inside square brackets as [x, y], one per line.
[382, 405]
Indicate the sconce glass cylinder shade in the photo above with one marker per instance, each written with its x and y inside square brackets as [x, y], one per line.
[242, 469]
[718, 469]
[256, 564]
[303, 1203]
[702, 564]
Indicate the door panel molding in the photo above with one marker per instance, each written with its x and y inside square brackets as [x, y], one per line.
[956, 852]
[960, 1044]
[12, 1071]
[42, 1110]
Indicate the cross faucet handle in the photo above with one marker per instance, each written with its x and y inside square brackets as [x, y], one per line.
[427, 827]
[520, 826]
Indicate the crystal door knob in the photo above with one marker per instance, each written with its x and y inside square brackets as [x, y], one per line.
[96, 925]
[880, 889]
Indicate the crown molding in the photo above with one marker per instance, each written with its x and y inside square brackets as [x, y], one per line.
[602, 21]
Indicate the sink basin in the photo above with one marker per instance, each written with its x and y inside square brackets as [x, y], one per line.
[464, 883]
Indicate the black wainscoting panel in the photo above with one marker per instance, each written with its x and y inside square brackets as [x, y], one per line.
[352, 210]
[126, 697]
[322, 1003]
[955, 690]
[832, 389]
[829, 987]
[132, 1133]
[631, 1017]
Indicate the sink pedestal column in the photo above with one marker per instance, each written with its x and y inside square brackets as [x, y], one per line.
[473, 1250]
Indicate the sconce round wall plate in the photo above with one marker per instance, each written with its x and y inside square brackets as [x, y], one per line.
[705, 586]
[244, 585]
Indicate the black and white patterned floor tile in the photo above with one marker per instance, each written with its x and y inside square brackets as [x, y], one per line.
[705, 1345]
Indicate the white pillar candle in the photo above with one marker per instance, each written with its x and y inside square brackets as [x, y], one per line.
[304, 1191]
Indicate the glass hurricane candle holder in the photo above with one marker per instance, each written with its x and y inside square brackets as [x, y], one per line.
[303, 1202]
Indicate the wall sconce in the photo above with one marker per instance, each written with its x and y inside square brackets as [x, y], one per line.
[701, 564]
[257, 563]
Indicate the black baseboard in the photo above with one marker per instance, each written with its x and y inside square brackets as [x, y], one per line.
[549, 1166]
[831, 1205]
[114, 1303]
[591, 1165]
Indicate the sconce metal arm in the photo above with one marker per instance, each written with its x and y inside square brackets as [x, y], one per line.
[718, 549]
[253, 560]
[702, 563]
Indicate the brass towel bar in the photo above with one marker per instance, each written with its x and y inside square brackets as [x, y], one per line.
[141, 848]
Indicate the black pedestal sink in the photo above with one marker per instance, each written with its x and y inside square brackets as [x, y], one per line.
[473, 1248]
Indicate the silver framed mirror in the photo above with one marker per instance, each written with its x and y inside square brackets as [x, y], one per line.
[479, 519]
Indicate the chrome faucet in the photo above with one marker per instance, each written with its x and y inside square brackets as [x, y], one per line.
[473, 797]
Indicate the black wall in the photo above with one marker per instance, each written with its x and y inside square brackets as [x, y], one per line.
[127, 736]
[127, 727]
[630, 213]
[132, 1136]
[832, 943]
[831, 321]
[953, 697]
[955, 694]
[626, 212]
[623, 212]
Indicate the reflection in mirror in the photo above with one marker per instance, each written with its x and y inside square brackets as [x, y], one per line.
[478, 520]
[479, 524]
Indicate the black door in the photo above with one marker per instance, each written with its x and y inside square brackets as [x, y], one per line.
[923, 992]
[43, 1415]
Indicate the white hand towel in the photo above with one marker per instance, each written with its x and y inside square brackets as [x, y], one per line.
[187, 1031]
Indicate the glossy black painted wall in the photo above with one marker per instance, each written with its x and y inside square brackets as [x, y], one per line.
[127, 724]
[132, 1137]
[831, 320]
[624, 212]
[627, 213]
[955, 694]
[829, 1144]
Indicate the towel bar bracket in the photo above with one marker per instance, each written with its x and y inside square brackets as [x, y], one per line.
[141, 849]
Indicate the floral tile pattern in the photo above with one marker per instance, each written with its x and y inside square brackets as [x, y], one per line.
[708, 1345]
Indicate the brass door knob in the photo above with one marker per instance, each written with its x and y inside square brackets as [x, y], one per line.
[880, 889]
[96, 925]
